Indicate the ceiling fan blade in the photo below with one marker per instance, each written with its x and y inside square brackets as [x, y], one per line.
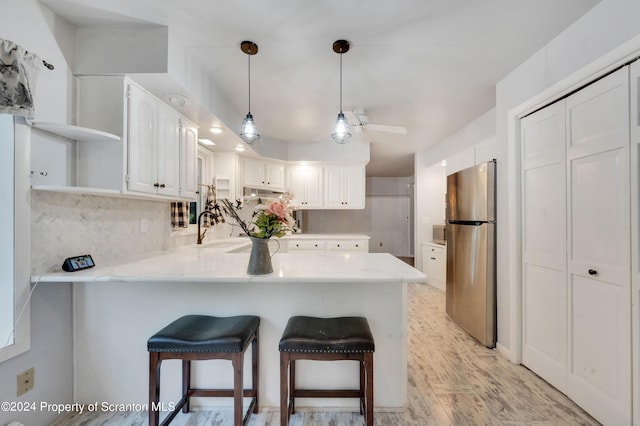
[351, 118]
[389, 129]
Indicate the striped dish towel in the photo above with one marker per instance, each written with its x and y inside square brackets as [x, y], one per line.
[180, 215]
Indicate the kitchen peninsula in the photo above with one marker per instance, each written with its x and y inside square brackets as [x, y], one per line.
[117, 308]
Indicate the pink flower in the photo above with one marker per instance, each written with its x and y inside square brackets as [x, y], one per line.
[278, 209]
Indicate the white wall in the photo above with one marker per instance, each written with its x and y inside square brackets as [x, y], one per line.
[30, 25]
[568, 60]
[459, 150]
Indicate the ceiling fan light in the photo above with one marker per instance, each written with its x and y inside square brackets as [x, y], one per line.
[249, 132]
[341, 132]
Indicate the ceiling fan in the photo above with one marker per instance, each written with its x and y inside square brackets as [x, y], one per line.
[359, 121]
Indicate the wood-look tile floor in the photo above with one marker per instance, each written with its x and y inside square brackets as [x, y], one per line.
[453, 380]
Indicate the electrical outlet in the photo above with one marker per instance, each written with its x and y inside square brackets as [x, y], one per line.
[25, 381]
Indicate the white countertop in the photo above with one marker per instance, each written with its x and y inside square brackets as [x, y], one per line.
[326, 237]
[212, 263]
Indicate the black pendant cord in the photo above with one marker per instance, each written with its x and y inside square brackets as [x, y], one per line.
[249, 56]
[341, 83]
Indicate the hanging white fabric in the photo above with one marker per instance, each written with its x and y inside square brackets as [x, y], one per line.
[18, 73]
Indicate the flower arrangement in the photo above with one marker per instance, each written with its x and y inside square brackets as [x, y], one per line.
[271, 220]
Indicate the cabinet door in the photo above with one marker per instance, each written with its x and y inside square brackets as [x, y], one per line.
[168, 151]
[143, 154]
[353, 187]
[305, 183]
[274, 176]
[297, 186]
[254, 173]
[333, 187]
[313, 187]
[598, 249]
[188, 160]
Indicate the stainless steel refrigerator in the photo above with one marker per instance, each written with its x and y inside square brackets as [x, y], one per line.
[471, 251]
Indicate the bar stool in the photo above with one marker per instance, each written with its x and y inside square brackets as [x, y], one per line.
[201, 337]
[326, 339]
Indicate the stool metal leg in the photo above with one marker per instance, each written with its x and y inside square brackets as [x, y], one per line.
[154, 388]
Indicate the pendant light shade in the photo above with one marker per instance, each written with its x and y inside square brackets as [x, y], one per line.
[249, 131]
[341, 132]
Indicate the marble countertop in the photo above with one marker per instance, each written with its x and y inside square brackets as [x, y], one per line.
[213, 263]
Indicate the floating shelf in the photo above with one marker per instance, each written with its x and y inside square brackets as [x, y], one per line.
[75, 132]
[78, 190]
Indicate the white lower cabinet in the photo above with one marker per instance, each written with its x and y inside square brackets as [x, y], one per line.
[351, 246]
[434, 264]
[306, 246]
[327, 244]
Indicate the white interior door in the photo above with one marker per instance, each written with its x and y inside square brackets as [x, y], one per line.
[544, 283]
[390, 226]
[598, 249]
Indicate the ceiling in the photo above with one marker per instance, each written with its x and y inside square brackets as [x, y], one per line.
[428, 65]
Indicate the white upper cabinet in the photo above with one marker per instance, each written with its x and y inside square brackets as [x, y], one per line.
[344, 187]
[259, 173]
[188, 159]
[305, 185]
[156, 153]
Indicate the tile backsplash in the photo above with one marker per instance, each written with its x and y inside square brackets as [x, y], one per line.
[108, 228]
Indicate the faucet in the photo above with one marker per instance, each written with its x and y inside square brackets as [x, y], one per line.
[215, 218]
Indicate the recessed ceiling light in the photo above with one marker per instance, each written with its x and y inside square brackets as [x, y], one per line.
[216, 130]
[239, 148]
[206, 142]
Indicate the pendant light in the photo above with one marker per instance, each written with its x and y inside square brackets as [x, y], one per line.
[249, 132]
[341, 132]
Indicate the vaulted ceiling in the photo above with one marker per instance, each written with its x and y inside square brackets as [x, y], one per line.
[428, 65]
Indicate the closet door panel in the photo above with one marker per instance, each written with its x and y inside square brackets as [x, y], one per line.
[544, 284]
[598, 249]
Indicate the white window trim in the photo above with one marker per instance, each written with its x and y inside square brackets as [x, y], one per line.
[22, 243]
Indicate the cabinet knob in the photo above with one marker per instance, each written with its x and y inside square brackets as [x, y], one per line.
[338, 245]
[156, 185]
[433, 258]
[593, 272]
[162, 185]
[357, 245]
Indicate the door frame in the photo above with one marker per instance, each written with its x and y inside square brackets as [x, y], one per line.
[598, 68]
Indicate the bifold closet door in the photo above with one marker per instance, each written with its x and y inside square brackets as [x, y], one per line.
[544, 275]
[598, 255]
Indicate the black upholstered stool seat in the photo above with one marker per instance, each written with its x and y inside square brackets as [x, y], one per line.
[202, 333]
[342, 335]
[203, 337]
[326, 339]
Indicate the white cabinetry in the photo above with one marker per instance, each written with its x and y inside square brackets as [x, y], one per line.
[263, 174]
[149, 162]
[434, 264]
[344, 187]
[305, 185]
[319, 243]
[348, 246]
[154, 145]
[188, 160]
